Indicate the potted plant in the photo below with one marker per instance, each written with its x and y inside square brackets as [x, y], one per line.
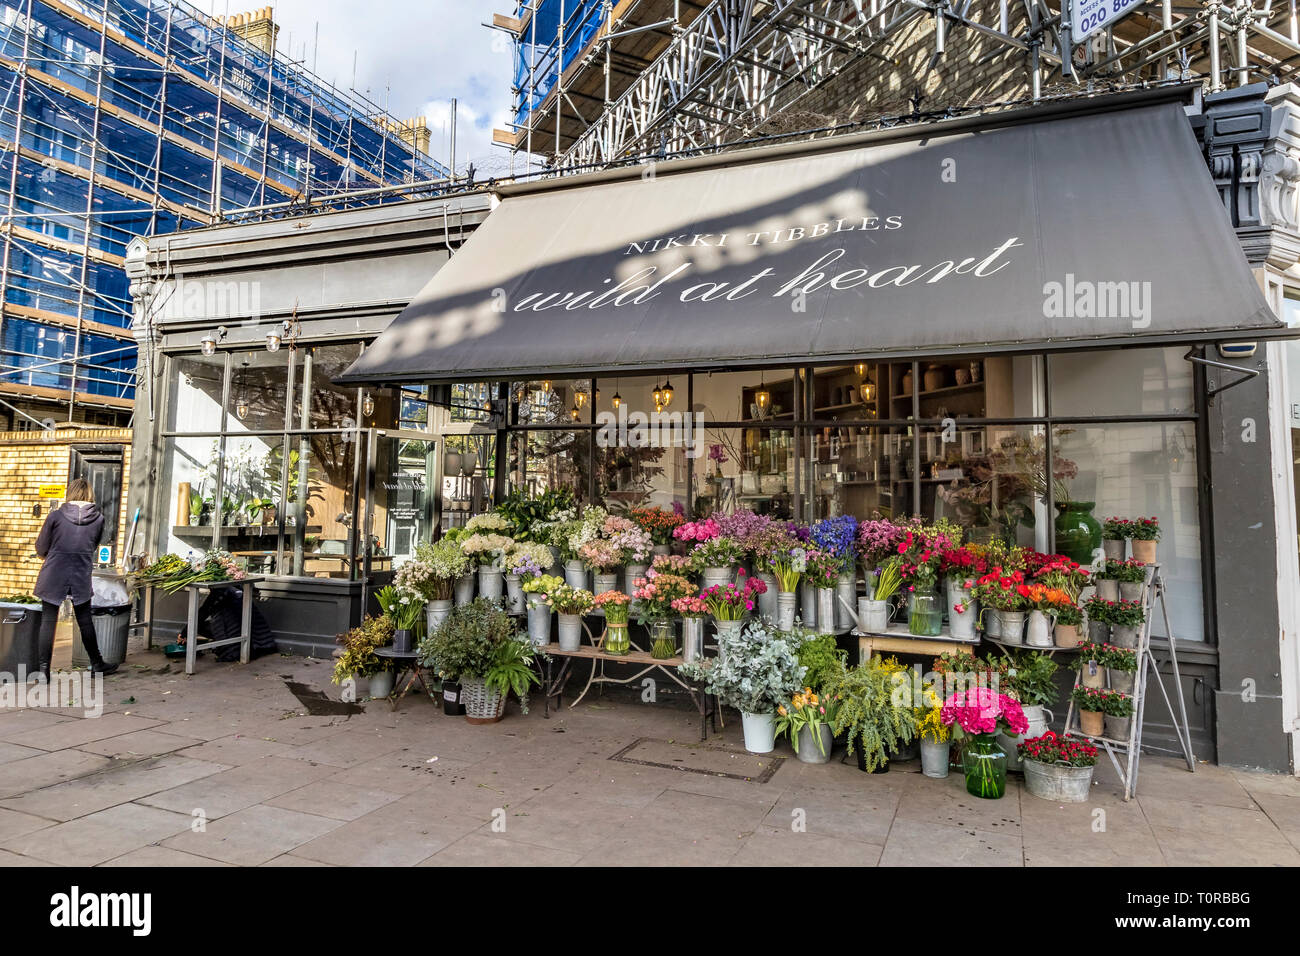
[1126, 620]
[487, 547]
[1114, 534]
[1131, 577]
[1043, 604]
[1107, 584]
[432, 573]
[807, 720]
[1068, 620]
[1058, 768]
[692, 611]
[1121, 667]
[464, 585]
[478, 646]
[873, 721]
[406, 608]
[961, 568]
[837, 537]
[731, 601]
[976, 716]
[1093, 703]
[755, 672]
[1031, 679]
[880, 607]
[717, 556]
[654, 595]
[1100, 613]
[1143, 537]
[536, 589]
[570, 603]
[999, 595]
[921, 554]
[1118, 710]
[935, 737]
[660, 524]
[1091, 664]
[820, 656]
[356, 657]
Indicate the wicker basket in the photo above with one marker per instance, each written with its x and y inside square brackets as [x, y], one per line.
[482, 706]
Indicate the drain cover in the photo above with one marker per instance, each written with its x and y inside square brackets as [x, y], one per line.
[700, 758]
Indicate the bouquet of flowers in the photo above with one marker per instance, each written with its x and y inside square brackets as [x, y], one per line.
[789, 565]
[1039, 597]
[581, 531]
[682, 565]
[705, 530]
[981, 711]
[633, 543]
[745, 528]
[1000, 590]
[878, 539]
[490, 522]
[486, 548]
[555, 529]
[543, 584]
[730, 602]
[568, 600]
[601, 555]
[615, 604]
[1060, 573]
[922, 551]
[528, 560]
[822, 569]
[406, 608]
[433, 571]
[655, 594]
[965, 563]
[838, 538]
[719, 552]
[691, 606]
[659, 523]
[1064, 751]
[213, 565]
[806, 709]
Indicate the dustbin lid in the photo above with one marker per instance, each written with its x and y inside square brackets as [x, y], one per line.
[111, 609]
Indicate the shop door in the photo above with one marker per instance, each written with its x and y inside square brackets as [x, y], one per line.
[400, 507]
[103, 469]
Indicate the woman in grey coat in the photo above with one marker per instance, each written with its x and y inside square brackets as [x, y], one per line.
[67, 542]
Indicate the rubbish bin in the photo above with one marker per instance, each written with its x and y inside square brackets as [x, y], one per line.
[20, 631]
[112, 625]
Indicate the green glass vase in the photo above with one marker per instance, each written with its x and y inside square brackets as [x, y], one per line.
[925, 615]
[616, 639]
[985, 766]
[1078, 533]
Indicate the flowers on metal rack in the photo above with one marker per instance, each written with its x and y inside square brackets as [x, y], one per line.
[1145, 529]
[528, 560]
[1000, 590]
[981, 710]
[1116, 528]
[1058, 572]
[1112, 703]
[705, 530]
[719, 552]
[730, 602]
[1065, 751]
[657, 522]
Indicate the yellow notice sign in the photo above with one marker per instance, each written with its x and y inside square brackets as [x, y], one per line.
[53, 491]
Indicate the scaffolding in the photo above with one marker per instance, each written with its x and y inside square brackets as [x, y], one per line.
[124, 118]
[722, 73]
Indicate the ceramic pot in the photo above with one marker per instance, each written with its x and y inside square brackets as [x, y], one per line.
[760, 732]
[934, 758]
[1066, 635]
[933, 378]
[1092, 722]
[570, 631]
[1038, 632]
[962, 375]
[1121, 681]
[515, 595]
[786, 607]
[1144, 551]
[1121, 635]
[435, 612]
[465, 589]
[1078, 533]
[1117, 727]
[1131, 590]
[451, 464]
[490, 582]
[815, 749]
[575, 574]
[1058, 783]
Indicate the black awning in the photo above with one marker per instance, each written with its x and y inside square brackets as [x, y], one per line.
[1102, 225]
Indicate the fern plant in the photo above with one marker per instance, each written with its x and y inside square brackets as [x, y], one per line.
[869, 713]
[512, 670]
[821, 659]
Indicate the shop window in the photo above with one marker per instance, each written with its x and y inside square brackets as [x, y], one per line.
[541, 402]
[469, 476]
[1121, 382]
[545, 459]
[745, 468]
[259, 382]
[759, 395]
[188, 497]
[401, 512]
[195, 393]
[329, 404]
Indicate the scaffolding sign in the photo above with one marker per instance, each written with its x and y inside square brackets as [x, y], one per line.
[1089, 16]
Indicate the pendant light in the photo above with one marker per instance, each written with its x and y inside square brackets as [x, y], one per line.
[658, 396]
[367, 404]
[617, 400]
[868, 389]
[861, 369]
[575, 413]
[241, 406]
[762, 398]
[667, 393]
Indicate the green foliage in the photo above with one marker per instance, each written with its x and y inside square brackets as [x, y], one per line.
[359, 658]
[467, 642]
[868, 712]
[512, 670]
[524, 510]
[1030, 678]
[822, 659]
[890, 580]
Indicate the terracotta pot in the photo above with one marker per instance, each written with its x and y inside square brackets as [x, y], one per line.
[1066, 635]
[934, 378]
[1092, 722]
[1144, 551]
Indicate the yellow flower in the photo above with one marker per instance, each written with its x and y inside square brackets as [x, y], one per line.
[781, 710]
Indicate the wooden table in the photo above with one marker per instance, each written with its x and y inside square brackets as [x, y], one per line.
[245, 638]
[899, 640]
[556, 681]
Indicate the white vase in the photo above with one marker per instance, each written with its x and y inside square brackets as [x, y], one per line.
[465, 589]
[760, 732]
[539, 624]
[604, 582]
[570, 632]
[786, 607]
[1038, 632]
[489, 582]
[575, 575]
[515, 594]
[961, 624]
[435, 612]
[767, 601]
[846, 590]
[825, 610]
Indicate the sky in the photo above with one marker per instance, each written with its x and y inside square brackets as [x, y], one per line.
[412, 56]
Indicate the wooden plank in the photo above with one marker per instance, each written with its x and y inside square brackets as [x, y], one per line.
[589, 652]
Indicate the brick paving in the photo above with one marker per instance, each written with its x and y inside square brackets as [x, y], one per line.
[276, 785]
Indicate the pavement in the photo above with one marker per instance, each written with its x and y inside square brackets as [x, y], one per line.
[262, 765]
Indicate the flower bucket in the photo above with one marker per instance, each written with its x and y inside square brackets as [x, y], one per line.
[809, 751]
[464, 589]
[435, 612]
[1099, 632]
[1131, 590]
[570, 632]
[602, 582]
[482, 705]
[1013, 627]
[1039, 718]
[381, 683]
[490, 582]
[767, 601]
[1121, 681]
[692, 638]
[1091, 675]
[1066, 635]
[664, 549]
[539, 624]
[1117, 728]
[961, 624]
[846, 590]
[515, 594]
[557, 562]
[1057, 782]
[875, 616]
[1121, 635]
[716, 577]
[825, 610]
[1144, 551]
[760, 732]
[1107, 590]
[1038, 633]
[575, 574]
[808, 604]
[630, 575]
[402, 640]
[934, 758]
[992, 622]
[1092, 722]
[452, 705]
[727, 629]
[786, 607]
[1113, 548]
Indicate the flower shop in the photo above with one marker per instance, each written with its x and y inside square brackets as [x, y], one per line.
[882, 478]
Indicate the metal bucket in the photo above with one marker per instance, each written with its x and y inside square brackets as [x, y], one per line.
[1057, 783]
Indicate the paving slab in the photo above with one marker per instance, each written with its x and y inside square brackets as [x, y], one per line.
[489, 849]
[121, 782]
[100, 836]
[330, 798]
[74, 733]
[47, 769]
[232, 789]
[140, 743]
[253, 835]
[160, 856]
